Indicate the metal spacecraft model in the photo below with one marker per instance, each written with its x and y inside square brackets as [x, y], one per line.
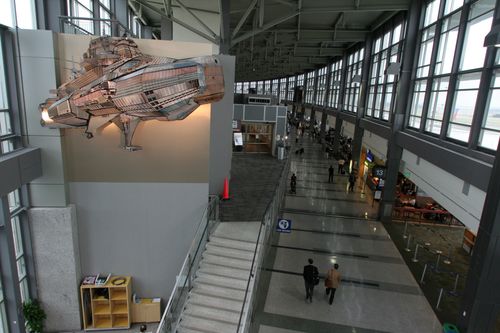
[119, 84]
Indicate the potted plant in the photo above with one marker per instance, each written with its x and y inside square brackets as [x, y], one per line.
[34, 316]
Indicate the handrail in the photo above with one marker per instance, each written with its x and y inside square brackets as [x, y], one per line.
[278, 195]
[190, 259]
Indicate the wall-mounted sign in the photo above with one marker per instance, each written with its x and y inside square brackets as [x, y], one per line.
[119, 84]
[238, 139]
[377, 195]
[378, 172]
[369, 156]
[284, 226]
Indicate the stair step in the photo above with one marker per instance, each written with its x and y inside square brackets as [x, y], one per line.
[232, 243]
[215, 291]
[230, 317]
[229, 252]
[216, 280]
[206, 325]
[214, 302]
[235, 273]
[228, 262]
[188, 330]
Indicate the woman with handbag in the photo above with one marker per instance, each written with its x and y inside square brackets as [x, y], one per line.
[332, 281]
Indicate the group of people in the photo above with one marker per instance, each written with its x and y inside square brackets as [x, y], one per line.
[311, 279]
[352, 175]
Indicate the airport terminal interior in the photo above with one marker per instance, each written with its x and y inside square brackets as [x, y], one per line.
[250, 166]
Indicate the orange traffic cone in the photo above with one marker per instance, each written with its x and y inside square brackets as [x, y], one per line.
[225, 193]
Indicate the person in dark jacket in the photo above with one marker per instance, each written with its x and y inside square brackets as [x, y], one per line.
[311, 276]
[352, 181]
[330, 174]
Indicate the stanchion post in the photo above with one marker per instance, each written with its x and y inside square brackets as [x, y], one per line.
[454, 291]
[423, 274]
[439, 299]
[438, 252]
[415, 259]
[405, 236]
[407, 248]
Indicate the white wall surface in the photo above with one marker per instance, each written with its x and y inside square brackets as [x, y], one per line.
[446, 189]
[348, 129]
[377, 144]
[138, 229]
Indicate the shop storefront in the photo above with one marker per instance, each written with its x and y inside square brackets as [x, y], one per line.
[373, 172]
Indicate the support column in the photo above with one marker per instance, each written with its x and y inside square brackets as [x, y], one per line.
[120, 16]
[313, 115]
[324, 118]
[53, 9]
[395, 152]
[480, 309]
[167, 26]
[225, 30]
[338, 128]
[147, 33]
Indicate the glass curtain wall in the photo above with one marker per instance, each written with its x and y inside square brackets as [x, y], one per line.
[291, 87]
[311, 76]
[354, 68]
[105, 13]
[267, 87]
[321, 87]
[274, 87]
[20, 13]
[335, 83]
[387, 51]
[3, 315]
[83, 9]
[282, 92]
[449, 73]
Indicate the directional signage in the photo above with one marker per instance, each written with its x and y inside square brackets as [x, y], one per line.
[284, 226]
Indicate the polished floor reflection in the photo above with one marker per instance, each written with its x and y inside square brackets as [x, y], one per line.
[331, 225]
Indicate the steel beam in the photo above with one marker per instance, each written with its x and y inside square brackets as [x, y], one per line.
[193, 15]
[244, 17]
[264, 28]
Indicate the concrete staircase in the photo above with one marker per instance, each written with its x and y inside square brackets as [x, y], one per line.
[215, 301]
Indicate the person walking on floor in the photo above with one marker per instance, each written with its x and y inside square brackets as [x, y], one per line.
[330, 174]
[341, 166]
[311, 278]
[332, 282]
[352, 181]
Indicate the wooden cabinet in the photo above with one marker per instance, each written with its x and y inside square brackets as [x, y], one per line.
[107, 306]
[147, 310]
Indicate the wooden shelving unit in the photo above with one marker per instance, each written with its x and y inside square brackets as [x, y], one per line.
[106, 306]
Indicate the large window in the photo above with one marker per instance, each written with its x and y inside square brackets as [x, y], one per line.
[449, 72]
[267, 87]
[310, 86]
[7, 135]
[354, 68]
[335, 83]
[84, 10]
[387, 51]
[291, 87]
[274, 87]
[105, 13]
[282, 92]
[19, 13]
[260, 87]
[321, 88]
[3, 315]
[490, 130]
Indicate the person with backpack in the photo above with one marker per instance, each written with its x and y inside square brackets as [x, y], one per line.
[311, 278]
[352, 181]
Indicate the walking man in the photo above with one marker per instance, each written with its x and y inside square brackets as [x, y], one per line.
[311, 278]
[352, 180]
[330, 174]
[332, 281]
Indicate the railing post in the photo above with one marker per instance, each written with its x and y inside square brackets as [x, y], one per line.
[405, 236]
[454, 291]
[438, 252]
[189, 273]
[407, 248]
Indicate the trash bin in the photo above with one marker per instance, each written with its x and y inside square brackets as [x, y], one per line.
[450, 328]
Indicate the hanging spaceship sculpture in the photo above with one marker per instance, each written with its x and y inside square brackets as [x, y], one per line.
[119, 84]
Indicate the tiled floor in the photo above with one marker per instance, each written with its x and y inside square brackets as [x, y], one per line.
[377, 294]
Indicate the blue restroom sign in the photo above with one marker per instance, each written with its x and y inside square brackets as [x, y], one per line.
[284, 226]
